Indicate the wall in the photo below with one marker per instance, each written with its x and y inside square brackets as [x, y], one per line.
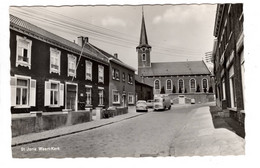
[122, 86]
[199, 97]
[47, 121]
[198, 78]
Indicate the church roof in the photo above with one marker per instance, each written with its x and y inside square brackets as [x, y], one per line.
[143, 36]
[175, 68]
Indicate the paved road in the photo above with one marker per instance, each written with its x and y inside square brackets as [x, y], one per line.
[151, 134]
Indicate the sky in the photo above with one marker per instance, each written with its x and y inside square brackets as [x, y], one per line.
[175, 32]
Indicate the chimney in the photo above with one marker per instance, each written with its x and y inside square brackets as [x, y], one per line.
[116, 55]
[81, 40]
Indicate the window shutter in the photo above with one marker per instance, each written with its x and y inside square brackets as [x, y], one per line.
[47, 93]
[61, 94]
[33, 93]
[13, 91]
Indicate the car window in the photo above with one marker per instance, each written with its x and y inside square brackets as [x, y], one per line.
[157, 100]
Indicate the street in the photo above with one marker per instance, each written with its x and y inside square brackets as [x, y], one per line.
[151, 134]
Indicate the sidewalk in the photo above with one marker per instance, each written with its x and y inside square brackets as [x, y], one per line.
[200, 138]
[40, 136]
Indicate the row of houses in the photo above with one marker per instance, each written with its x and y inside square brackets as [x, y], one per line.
[50, 73]
[228, 59]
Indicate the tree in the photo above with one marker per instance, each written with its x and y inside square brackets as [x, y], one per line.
[185, 91]
[198, 88]
[180, 90]
[162, 90]
[173, 89]
[210, 89]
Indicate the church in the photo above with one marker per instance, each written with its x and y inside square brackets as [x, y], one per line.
[182, 81]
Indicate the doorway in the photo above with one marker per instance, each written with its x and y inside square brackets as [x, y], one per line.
[71, 96]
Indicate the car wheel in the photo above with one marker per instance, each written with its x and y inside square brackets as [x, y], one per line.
[169, 107]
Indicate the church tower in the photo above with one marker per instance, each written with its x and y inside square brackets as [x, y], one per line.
[143, 49]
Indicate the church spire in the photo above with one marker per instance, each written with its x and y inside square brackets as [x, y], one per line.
[143, 36]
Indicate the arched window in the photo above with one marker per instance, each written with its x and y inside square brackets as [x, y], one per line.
[143, 57]
[181, 85]
[204, 85]
[168, 84]
[192, 85]
[157, 84]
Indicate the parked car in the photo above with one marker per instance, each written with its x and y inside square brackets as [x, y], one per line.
[141, 105]
[162, 103]
[150, 103]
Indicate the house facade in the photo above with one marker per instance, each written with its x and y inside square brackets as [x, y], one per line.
[121, 81]
[228, 58]
[189, 79]
[49, 73]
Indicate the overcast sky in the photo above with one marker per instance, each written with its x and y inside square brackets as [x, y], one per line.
[175, 32]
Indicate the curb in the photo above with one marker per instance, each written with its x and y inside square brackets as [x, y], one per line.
[74, 132]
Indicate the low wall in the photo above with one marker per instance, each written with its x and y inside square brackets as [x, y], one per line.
[47, 121]
[114, 112]
[198, 97]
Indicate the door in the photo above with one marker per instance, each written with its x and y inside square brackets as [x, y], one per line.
[71, 97]
[181, 99]
[124, 100]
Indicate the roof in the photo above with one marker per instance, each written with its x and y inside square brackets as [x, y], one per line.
[35, 31]
[143, 36]
[113, 58]
[140, 80]
[175, 68]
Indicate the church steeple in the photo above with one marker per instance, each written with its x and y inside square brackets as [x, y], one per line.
[143, 36]
[143, 49]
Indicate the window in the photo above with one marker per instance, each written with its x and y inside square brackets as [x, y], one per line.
[88, 95]
[123, 76]
[116, 97]
[157, 84]
[117, 74]
[23, 91]
[88, 70]
[53, 94]
[23, 51]
[168, 84]
[204, 85]
[130, 98]
[192, 85]
[100, 97]
[130, 79]
[54, 60]
[223, 90]
[143, 57]
[72, 60]
[232, 87]
[181, 86]
[100, 73]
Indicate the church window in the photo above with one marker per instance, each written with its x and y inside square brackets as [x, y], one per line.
[205, 85]
[192, 85]
[181, 85]
[156, 84]
[168, 84]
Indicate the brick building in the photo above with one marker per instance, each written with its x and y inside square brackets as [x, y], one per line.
[48, 73]
[228, 58]
[121, 81]
[189, 79]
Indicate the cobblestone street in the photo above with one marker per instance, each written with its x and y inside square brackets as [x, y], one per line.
[151, 134]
